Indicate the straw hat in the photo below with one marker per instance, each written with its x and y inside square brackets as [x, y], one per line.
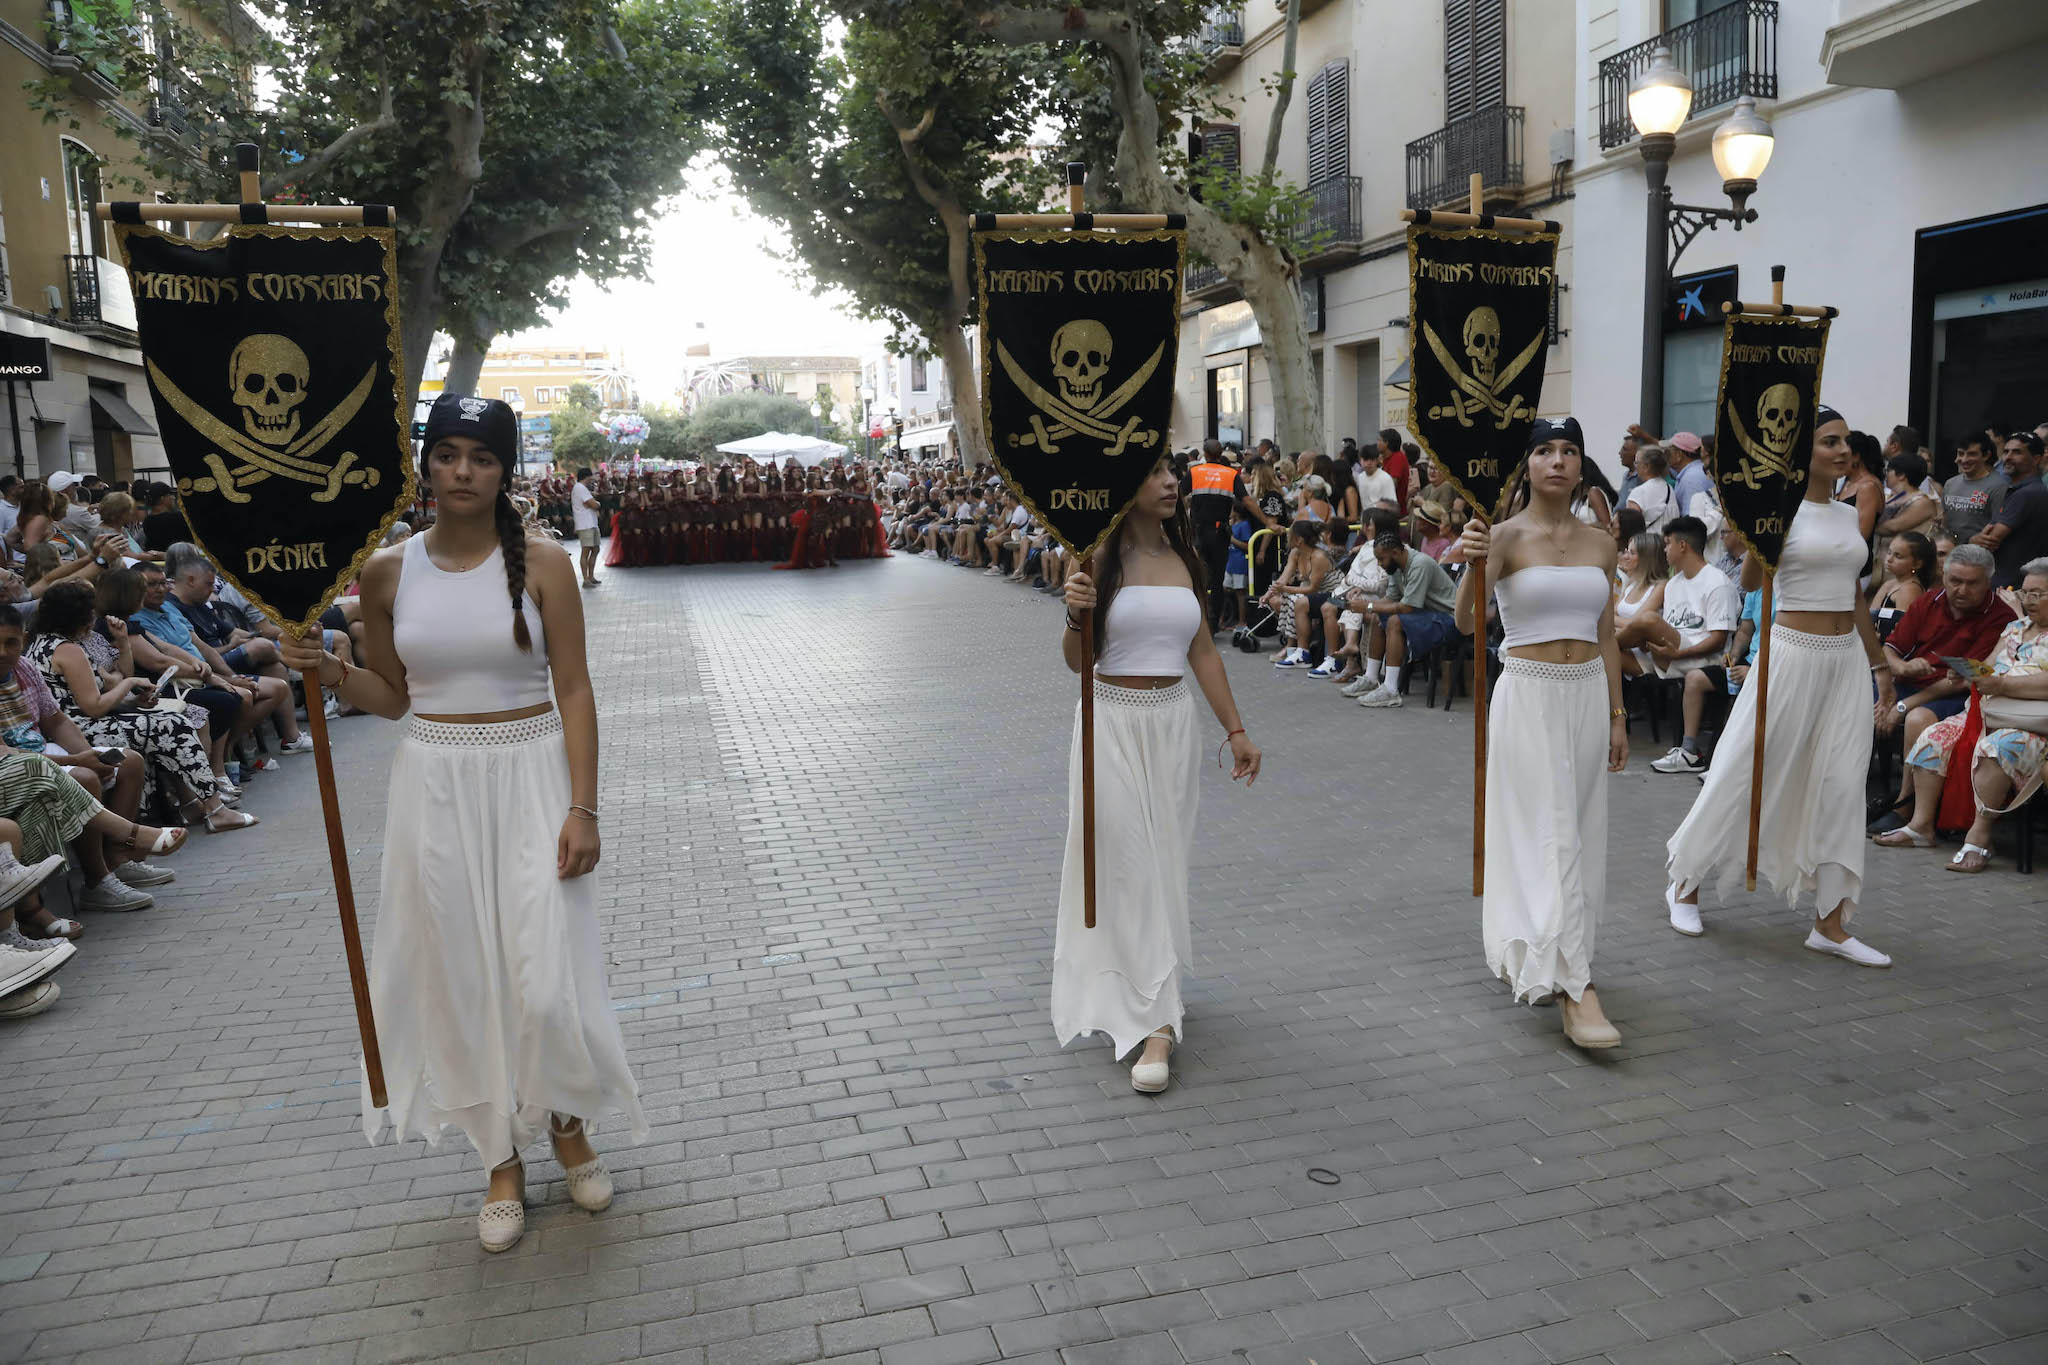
[1430, 513]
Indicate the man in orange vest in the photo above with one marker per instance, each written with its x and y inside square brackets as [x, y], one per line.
[1214, 491]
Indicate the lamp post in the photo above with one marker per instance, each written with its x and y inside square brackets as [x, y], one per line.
[867, 422]
[1658, 104]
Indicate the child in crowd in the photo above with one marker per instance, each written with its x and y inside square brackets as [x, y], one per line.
[1237, 569]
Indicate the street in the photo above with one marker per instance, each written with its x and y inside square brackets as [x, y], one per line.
[833, 809]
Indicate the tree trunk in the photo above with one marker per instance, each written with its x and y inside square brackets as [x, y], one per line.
[1266, 273]
[441, 205]
[963, 391]
[464, 366]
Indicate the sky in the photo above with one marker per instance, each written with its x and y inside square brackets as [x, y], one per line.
[712, 265]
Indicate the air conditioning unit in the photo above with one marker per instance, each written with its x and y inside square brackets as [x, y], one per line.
[1563, 144]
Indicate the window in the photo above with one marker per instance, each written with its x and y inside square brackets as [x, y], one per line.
[917, 374]
[1220, 145]
[509, 394]
[81, 192]
[1678, 12]
[1329, 123]
[1475, 56]
[543, 394]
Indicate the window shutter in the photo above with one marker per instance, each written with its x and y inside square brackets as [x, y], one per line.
[1475, 56]
[1329, 123]
[1221, 146]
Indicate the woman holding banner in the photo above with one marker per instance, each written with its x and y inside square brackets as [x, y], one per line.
[1556, 728]
[487, 973]
[1817, 747]
[1122, 978]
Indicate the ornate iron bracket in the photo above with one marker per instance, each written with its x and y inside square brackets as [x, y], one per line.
[1686, 221]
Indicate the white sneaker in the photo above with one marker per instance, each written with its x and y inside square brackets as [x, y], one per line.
[1853, 949]
[17, 879]
[111, 893]
[302, 745]
[1327, 668]
[1679, 761]
[333, 708]
[1383, 695]
[1360, 685]
[1684, 918]
[25, 961]
[1290, 658]
[144, 874]
[29, 1000]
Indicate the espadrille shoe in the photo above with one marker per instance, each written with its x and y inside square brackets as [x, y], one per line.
[500, 1223]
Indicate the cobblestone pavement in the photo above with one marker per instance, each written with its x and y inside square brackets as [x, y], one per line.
[834, 805]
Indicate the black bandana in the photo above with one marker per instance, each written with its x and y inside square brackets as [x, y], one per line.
[1546, 430]
[488, 420]
[1824, 414]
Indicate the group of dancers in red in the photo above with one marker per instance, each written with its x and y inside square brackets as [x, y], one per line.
[746, 513]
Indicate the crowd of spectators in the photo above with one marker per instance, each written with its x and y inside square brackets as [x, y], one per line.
[141, 696]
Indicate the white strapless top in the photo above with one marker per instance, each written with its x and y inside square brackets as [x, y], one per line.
[1147, 633]
[1546, 602]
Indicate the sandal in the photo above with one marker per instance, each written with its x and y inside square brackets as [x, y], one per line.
[54, 927]
[242, 820]
[1905, 836]
[167, 841]
[1969, 858]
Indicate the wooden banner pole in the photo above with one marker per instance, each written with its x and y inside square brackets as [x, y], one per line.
[1760, 679]
[1477, 192]
[1077, 173]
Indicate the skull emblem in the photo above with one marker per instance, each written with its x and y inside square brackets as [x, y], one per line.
[268, 374]
[1080, 357]
[1777, 419]
[1482, 342]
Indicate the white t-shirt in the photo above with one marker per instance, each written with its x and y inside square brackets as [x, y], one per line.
[1655, 501]
[586, 517]
[1018, 516]
[1374, 488]
[1696, 607]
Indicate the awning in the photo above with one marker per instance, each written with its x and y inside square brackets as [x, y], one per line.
[1399, 378]
[929, 436]
[116, 410]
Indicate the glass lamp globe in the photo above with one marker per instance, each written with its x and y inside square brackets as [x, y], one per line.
[1661, 98]
[1742, 144]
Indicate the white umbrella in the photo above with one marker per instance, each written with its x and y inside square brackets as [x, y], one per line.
[774, 446]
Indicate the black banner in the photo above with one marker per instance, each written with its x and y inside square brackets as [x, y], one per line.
[1763, 423]
[1079, 336]
[1478, 322]
[273, 358]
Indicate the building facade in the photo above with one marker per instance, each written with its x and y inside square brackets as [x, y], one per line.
[1396, 103]
[805, 377]
[1908, 187]
[61, 282]
[535, 379]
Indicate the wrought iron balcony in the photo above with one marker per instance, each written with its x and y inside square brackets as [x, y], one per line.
[167, 113]
[65, 33]
[1333, 219]
[1728, 53]
[1488, 141]
[1224, 28]
[82, 289]
[1203, 277]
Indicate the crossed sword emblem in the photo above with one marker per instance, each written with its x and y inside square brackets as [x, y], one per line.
[1069, 421]
[261, 461]
[1758, 460]
[1483, 397]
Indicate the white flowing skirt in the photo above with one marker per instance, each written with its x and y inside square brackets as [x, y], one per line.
[487, 973]
[1122, 977]
[1546, 824]
[1816, 756]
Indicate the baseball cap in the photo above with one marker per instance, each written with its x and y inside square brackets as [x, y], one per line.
[1687, 442]
[60, 481]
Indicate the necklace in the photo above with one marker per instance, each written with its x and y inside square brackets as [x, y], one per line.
[1550, 534]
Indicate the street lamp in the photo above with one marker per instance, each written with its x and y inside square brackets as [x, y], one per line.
[867, 422]
[818, 420]
[1659, 102]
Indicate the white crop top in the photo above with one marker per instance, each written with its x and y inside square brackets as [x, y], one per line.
[1823, 557]
[1147, 633]
[453, 633]
[1546, 602]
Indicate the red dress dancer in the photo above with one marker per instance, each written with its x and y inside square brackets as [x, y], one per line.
[726, 484]
[751, 512]
[867, 514]
[774, 516]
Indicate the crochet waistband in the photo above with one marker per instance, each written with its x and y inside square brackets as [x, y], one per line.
[1537, 668]
[1800, 639]
[488, 735]
[1141, 696]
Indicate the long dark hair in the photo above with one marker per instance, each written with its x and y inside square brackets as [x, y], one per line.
[511, 542]
[1109, 565]
[1922, 550]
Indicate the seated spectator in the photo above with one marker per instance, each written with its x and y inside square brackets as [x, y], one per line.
[1689, 631]
[1432, 529]
[119, 517]
[165, 525]
[1944, 541]
[2011, 729]
[1909, 571]
[1642, 571]
[1961, 619]
[25, 963]
[218, 700]
[1307, 570]
[1314, 610]
[1628, 524]
[169, 632]
[241, 652]
[165, 739]
[1653, 495]
[1414, 619]
[1364, 582]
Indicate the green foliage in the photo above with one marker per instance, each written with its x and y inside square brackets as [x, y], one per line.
[583, 394]
[574, 429]
[668, 433]
[736, 416]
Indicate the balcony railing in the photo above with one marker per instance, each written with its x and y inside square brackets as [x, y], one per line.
[1203, 277]
[1440, 166]
[65, 32]
[1225, 28]
[82, 288]
[1728, 53]
[1333, 218]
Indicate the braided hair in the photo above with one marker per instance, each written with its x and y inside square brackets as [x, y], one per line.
[512, 541]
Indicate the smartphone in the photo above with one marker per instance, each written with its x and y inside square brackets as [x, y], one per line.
[164, 679]
[110, 757]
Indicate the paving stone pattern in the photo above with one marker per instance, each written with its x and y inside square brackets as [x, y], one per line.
[834, 805]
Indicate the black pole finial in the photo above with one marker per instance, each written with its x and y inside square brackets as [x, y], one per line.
[1777, 274]
[245, 156]
[1077, 172]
